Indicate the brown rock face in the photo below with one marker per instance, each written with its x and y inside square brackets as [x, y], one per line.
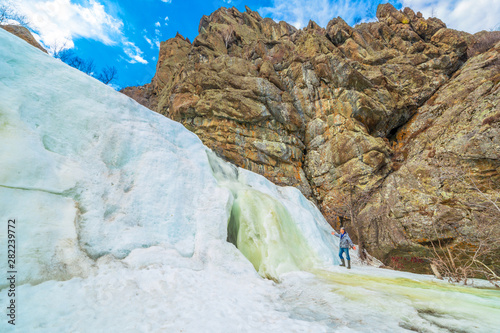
[448, 178]
[24, 34]
[339, 112]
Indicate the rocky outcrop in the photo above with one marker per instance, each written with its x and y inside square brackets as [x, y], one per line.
[337, 112]
[24, 34]
[446, 167]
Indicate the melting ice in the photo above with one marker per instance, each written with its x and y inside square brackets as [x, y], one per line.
[127, 223]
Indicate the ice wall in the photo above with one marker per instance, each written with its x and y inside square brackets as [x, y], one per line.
[276, 228]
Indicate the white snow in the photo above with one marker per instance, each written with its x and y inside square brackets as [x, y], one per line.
[122, 218]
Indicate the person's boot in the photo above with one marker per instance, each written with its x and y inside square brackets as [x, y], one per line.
[343, 262]
[348, 264]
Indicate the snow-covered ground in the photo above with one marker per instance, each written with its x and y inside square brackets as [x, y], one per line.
[122, 226]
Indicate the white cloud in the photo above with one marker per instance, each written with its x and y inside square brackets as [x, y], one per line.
[157, 24]
[155, 41]
[60, 21]
[166, 18]
[133, 52]
[157, 38]
[149, 41]
[467, 15]
[299, 12]
[166, 1]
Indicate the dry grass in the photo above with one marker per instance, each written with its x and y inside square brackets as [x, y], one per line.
[472, 255]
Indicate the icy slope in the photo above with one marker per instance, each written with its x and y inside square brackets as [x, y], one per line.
[122, 220]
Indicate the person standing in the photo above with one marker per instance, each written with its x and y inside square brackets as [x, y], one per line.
[345, 244]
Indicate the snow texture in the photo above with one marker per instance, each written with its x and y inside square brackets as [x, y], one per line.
[122, 220]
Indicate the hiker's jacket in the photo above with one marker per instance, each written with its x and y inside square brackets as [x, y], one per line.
[345, 241]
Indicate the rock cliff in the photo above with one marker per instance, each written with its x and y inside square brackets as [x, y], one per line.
[24, 34]
[385, 125]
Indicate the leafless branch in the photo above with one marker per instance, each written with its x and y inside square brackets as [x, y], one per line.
[228, 35]
[8, 12]
[108, 74]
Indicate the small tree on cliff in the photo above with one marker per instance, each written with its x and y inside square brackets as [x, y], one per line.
[352, 201]
[228, 35]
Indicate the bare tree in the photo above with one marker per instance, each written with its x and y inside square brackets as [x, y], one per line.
[228, 35]
[108, 74]
[5, 13]
[8, 13]
[57, 50]
[469, 258]
[69, 57]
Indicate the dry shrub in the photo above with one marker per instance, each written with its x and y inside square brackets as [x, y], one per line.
[483, 43]
[228, 35]
[472, 255]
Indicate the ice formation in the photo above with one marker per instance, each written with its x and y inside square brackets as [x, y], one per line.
[125, 222]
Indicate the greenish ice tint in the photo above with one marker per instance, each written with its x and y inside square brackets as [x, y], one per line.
[261, 227]
[438, 303]
[364, 299]
[263, 230]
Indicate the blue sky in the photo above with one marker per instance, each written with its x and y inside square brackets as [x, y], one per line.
[126, 33]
